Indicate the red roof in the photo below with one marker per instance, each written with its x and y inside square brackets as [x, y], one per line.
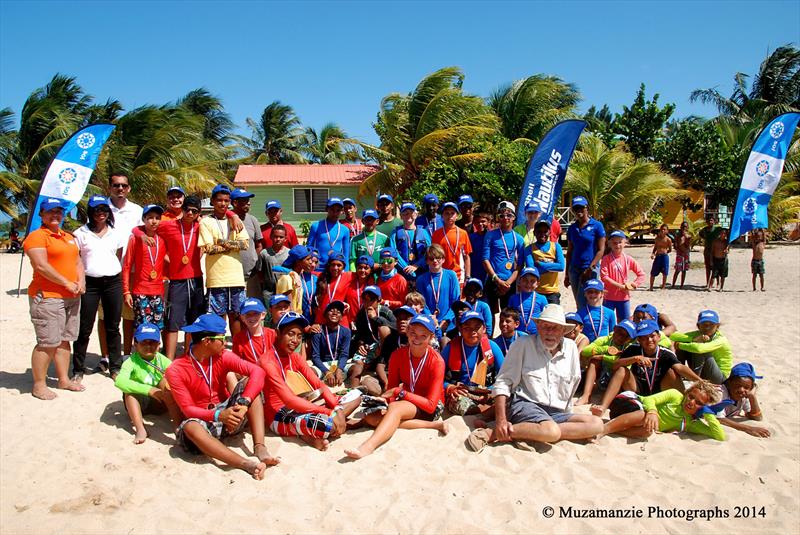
[288, 175]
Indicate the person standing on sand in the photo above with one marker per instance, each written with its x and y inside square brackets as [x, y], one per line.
[683, 244]
[586, 244]
[708, 234]
[757, 261]
[660, 256]
[53, 297]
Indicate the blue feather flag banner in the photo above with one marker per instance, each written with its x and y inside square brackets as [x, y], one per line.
[548, 168]
[69, 172]
[762, 174]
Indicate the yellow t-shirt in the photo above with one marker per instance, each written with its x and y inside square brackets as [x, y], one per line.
[222, 270]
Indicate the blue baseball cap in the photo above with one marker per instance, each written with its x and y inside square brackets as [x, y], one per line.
[348, 200]
[176, 188]
[408, 206]
[533, 206]
[252, 305]
[628, 326]
[334, 201]
[580, 201]
[474, 281]
[291, 318]
[98, 200]
[465, 199]
[385, 197]
[365, 259]
[647, 309]
[618, 234]
[372, 289]
[50, 203]
[369, 212]
[240, 193]
[594, 284]
[646, 327]
[336, 303]
[220, 188]
[298, 252]
[388, 252]
[151, 208]
[147, 331]
[206, 323]
[425, 320]
[430, 198]
[471, 315]
[529, 271]
[278, 299]
[406, 309]
[336, 256]
[708, 316]
[272, 204]
[574, 318]
[450, 204]
[744, 369]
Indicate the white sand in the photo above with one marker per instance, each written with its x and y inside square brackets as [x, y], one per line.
[69, 465]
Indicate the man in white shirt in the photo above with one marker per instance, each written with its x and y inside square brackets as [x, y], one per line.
[534, 389]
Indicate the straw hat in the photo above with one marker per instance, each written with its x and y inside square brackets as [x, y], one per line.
[553, 313]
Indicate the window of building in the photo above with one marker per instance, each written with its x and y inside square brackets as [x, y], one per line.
[310, 200]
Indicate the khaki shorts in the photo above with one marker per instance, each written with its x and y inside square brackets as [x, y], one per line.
[127, 312]
[55, 320]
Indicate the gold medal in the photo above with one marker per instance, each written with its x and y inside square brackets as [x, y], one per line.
[410, 257]
[185, 259]
[153, 274]
[509, 265]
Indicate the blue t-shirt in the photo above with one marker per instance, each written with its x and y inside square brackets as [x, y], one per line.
[431, 225]
[309, 281]
[584, 243]
[545, 267]
[530, 306]
[472, 353]
[482, 307]
[597, 321]
[476, 256]
[326, 237]
[504, 343]
[414, 241]
[501, 249]
[336, 348]
[440, 291]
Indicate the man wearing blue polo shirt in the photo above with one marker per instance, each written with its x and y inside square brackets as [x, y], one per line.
[503, 258]
[586, 242]
[430, 220]
[329, 234]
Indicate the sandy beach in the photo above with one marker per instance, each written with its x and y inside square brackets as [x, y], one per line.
[69, 466]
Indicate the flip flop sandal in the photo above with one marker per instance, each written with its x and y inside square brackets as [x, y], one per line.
[523, 445]
[478, 439]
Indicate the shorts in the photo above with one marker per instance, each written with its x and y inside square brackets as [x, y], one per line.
[223, 301]
[215, 429]
[437, 413]
[553, 298]
[681, 262]
[55, 319]
[719, 267]
[148, 309]
[370, 359]
[127, 312]
[186, 303]
[148, 404]
[290, 423]
[660, 265]
[624, 403]
[521, 410]
[757, 266]
[373, 404]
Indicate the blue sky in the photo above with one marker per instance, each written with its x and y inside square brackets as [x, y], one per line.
[335, 61]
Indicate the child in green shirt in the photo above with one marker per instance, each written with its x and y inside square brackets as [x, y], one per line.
[369, 242]
[141, 379]
[706, 350]
[601, 354]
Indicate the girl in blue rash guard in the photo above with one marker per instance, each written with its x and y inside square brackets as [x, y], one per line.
[597, 320]
[526, 301]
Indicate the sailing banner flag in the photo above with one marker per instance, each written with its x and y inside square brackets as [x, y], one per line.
[548, 168]
[69, 172]
[762, 174]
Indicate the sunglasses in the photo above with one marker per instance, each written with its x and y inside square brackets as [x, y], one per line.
[220, 337]
[506, 216]
[387, 261]
[192, 211]
[120, 186]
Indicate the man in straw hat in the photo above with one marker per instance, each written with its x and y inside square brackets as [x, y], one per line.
[534, 389]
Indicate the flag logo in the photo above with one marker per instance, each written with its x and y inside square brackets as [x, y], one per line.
[762, 168]
[776, 130]
[67, 175]
[85, 140]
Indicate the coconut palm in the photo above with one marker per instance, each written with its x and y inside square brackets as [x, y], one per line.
[529, 108]
[276, 138]
[620, 189]
[436, 120]
[330, 146]
[218, 124]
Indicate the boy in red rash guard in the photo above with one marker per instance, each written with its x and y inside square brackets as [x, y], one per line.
[197, 381]
[362, 278]
[333, 285]
[144, 264]
[288, 414]
[393, 285]
[414, 392]
[254, 340]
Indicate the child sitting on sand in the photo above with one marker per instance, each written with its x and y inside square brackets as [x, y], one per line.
[615, 269]
[576, 334]
[706, 350]
[144, 388]
[509, 325]
[373, 324]
[740, 389]
[759, 239]
[601, 354]
[597, 320]
[414, 392]
[719, 260]
[330, 348]
[667, 411]
[253, 340]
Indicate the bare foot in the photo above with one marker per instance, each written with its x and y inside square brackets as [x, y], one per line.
[320, 443]
[582, 401]
[257, 469]
[357, 453]
[44, 393]
[597, 410]
[264, 456]
[71, 386]
[141, 436]
[444, 428]
[763, 290]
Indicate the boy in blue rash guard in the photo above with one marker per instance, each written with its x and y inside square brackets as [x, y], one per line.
[439, 287]
[503, 258]
[331, 346]
[480, 227]
[411, 242]
[597, 320]
[462, 358]
[473, 291]
[329, 234]
[430, 219]
[526, 301]
[509, 325]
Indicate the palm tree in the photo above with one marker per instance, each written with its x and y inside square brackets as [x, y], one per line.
[529, 108]
[9, 182]
[218, 124]
[330, 146]
[436, 120]
[620, 189]
[277, 136]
